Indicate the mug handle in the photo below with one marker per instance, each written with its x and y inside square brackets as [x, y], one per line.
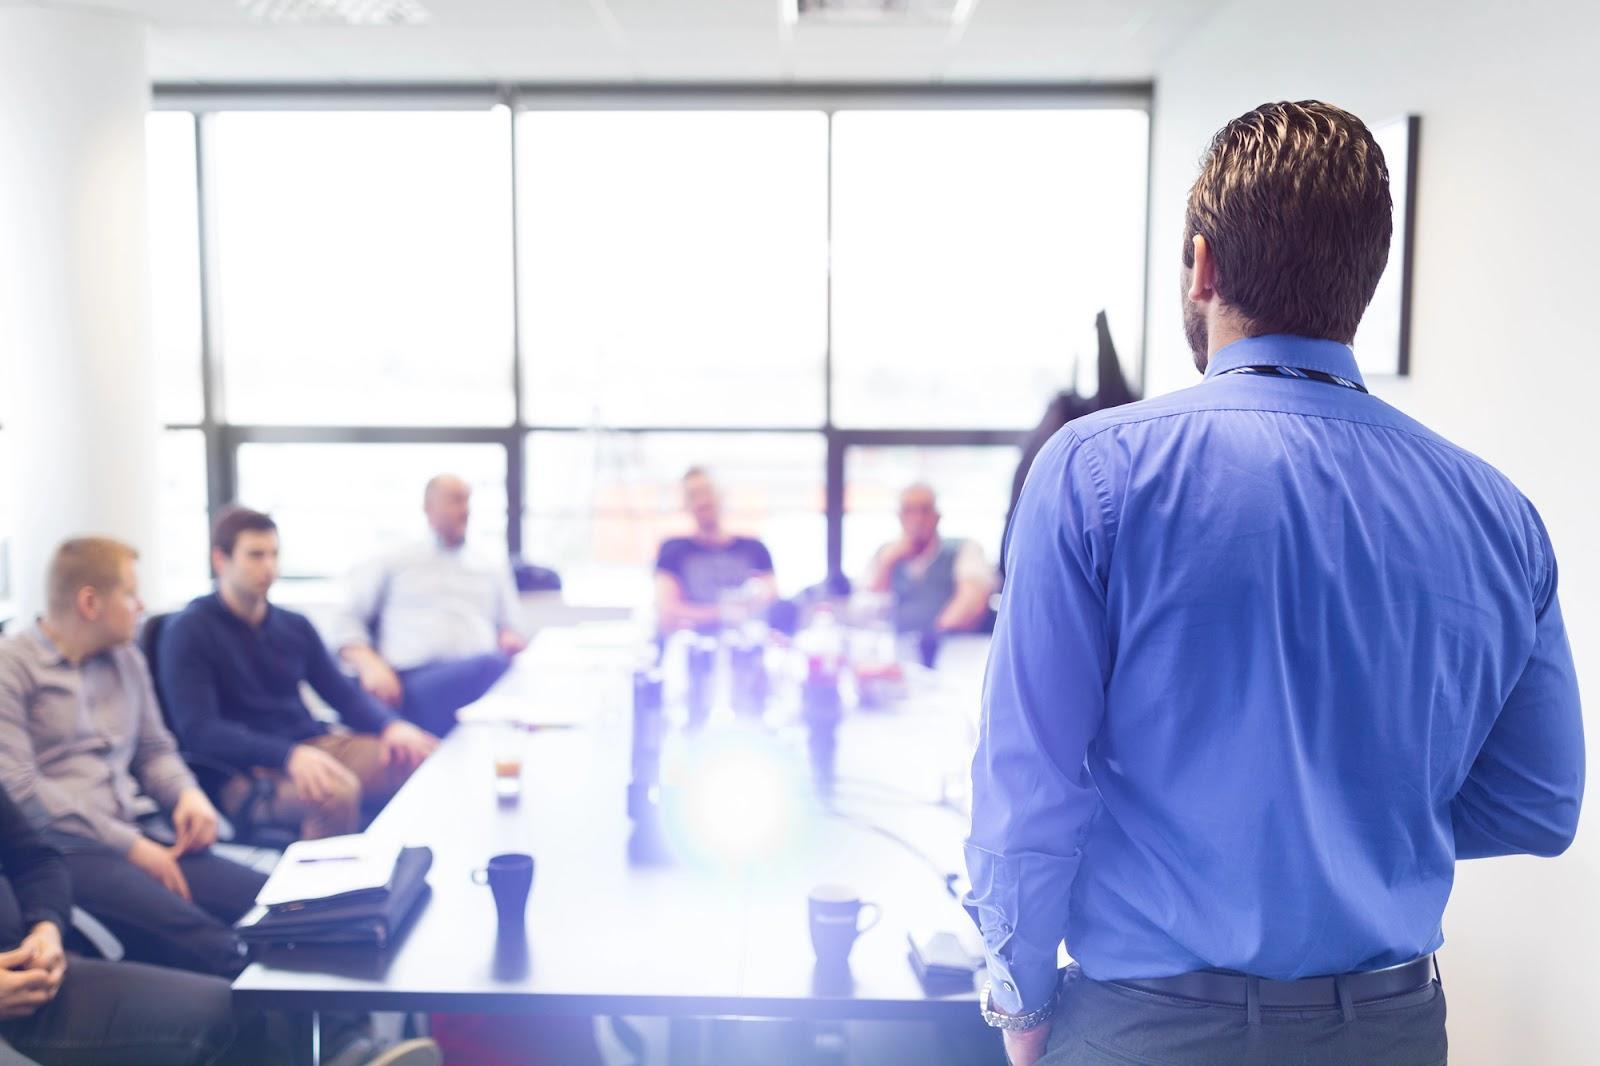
[480, 876]
[877, 913]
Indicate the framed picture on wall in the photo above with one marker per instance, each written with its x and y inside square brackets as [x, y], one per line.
[1383, 343]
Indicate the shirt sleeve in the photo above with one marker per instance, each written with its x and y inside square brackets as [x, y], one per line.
[363, 599]
[43, 802]
[194, 700]
[38, 876]
[508, 604]
[760, 558]
[1525, 787]
[358, 710]
[669, 560]
[1043, 700]
[156, 764]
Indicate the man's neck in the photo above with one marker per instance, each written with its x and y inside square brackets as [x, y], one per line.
[70, 640]
[714, 538]
[249, 608]
[1224, 330]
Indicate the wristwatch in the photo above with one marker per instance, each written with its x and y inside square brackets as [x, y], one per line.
[1016, 1023]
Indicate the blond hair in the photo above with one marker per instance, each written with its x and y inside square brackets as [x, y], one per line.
[92, 562]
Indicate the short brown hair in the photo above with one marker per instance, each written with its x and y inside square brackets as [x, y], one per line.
[85, 562]
[1293, 200]
[235, 520]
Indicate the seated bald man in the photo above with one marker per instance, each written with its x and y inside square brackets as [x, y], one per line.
[431, 627]
[938, 585]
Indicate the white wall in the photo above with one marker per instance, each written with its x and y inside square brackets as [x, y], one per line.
[81, 415]
[1505, 360]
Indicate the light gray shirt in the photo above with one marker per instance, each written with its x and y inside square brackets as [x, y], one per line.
[429, 603]
[83, 749]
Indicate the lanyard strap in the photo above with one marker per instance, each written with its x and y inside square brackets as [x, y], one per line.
[1296, 372]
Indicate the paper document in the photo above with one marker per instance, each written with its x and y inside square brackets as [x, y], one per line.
[330, 868]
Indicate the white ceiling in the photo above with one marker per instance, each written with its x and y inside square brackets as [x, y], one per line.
[665, 40]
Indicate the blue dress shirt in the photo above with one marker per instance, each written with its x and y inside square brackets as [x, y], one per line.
[1271, 657]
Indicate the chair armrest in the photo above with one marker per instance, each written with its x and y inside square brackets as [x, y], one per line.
[99, 937]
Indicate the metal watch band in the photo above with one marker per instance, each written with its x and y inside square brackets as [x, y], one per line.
[1016, 1023]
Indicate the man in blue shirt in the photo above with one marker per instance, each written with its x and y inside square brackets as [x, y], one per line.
[231, 665]
[1271, 657]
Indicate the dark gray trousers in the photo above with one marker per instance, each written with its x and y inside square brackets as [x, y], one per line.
[1106, 1024]
[121, 1013]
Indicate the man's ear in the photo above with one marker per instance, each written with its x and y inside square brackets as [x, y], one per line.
[1203, 278]
[88, 603]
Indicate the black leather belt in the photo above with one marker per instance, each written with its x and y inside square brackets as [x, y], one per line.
[1231, 989]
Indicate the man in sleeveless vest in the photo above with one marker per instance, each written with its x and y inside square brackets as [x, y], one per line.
[937, 585]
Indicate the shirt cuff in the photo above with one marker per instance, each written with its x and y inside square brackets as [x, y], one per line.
[1021, 988]
[273, 752]
[34, 915]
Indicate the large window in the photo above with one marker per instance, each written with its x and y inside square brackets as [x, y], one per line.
[601, 503]
[572, 299]
[971, 251]
[335, 502]
[7, 520]
[174, 242]
[364, 267]
[184, 524]
[674, 267]
[971, 484]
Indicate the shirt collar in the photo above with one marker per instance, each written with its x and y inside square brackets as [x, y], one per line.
[220, 606]
[48, 653]
[1283, 349]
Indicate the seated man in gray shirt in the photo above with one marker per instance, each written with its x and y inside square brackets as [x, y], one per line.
[85, 755]
[429, 628]
[938, 585]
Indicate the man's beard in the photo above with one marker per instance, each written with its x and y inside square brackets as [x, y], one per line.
[1194, 329]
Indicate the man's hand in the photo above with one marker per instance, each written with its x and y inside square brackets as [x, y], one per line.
[40, 950]
[377, 677]
[316, 774]
[1027, 1047]
[405, 746]
[31, 972]
[196, 821]
[24, 991]
[902, 549]
[512, 643]
[160, 864]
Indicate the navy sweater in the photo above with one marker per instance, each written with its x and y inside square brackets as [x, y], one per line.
[233, 689]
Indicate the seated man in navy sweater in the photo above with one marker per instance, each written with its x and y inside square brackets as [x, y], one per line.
[231, 665]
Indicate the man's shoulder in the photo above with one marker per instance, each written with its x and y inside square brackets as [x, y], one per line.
[16, 645]
[287, 619]
[18, 654]
[404, 555]
[1193, 399]
[129, 658]
[672, 550]
[190, 620]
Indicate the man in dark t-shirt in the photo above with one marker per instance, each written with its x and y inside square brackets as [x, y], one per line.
[693, 573]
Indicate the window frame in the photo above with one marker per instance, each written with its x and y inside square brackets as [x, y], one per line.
[223, 438]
